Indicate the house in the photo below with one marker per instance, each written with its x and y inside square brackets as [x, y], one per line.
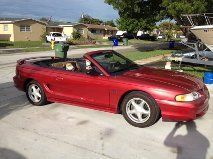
[100, 31]
[88, 31]
[21, 29]
[54, 27]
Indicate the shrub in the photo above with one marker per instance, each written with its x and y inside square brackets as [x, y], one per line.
[43, 36]
[76, 35]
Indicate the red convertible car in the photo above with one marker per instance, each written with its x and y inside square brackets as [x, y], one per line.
[108, 81]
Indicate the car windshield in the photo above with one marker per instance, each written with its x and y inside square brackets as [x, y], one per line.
[114, 62]
[56, 34]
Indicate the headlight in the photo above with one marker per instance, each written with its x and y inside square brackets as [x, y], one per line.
[187, 97]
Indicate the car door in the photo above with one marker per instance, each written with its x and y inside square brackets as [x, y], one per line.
[83, 88]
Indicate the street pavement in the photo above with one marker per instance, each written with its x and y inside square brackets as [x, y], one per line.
[64, 131]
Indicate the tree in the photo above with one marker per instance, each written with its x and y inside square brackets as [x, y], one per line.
[76, 35]
[86, 19]
[143, 14]
[174, 9]
[44, 19]
[110, 22]
[137, 14]
[169, 29]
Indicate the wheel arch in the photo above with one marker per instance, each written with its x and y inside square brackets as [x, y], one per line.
[128, 92]
[26, 82]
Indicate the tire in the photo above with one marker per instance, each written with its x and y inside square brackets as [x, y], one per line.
[35, 93]
[140, 110]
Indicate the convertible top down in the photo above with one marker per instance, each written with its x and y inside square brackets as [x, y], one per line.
[106, 80]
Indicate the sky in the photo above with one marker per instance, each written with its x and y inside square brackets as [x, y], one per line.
[61, 10]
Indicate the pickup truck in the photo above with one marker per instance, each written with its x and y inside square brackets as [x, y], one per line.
[56, 36]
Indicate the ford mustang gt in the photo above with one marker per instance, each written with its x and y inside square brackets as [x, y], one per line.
[106, 80]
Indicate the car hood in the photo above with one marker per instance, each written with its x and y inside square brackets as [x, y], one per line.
[161, 76]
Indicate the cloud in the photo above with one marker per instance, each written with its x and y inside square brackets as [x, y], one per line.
[69, 10]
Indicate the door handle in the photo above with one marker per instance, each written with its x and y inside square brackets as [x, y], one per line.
[58, 78]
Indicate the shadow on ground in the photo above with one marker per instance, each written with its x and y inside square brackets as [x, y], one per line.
[151, 46]
[158, 46]
[11, 99]
[193, 145]
[10, 154]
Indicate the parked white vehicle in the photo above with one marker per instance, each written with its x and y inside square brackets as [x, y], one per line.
[140, 33]
[120, 33]
[160, 37]
[56, 36]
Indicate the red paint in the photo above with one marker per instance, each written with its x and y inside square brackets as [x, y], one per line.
[105, 92]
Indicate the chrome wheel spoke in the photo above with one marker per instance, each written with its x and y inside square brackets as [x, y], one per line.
[139, 115]
[37, 98]
[33, 89]
[135, 105]
[34, 93]
[142, 103]
[138, 110]
[133, 111]
[144, 111]
[38, 94]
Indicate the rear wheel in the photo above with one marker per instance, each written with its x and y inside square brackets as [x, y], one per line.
[35, 94]
[140, 110]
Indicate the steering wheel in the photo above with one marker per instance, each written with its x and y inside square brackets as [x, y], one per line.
[117, 64]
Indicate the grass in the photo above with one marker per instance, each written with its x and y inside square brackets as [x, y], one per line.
[91, 46]
[28, 46]
[102, 40]
[197, 71]
[135, 41]
[20, 44]
[138, 55]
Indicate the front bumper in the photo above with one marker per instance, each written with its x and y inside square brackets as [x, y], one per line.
[184, 111]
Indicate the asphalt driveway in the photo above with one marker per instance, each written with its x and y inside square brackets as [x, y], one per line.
[69, 132]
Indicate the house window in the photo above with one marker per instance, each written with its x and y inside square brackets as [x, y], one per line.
[5, 27]
[93, 31]
[81, 31]
[98, 31]
[25, 28]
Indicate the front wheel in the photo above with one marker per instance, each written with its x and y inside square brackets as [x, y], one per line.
[35, 94]
[140, 110]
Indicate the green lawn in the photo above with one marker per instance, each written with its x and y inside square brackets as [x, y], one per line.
[197, 71]
[91, 46]
[20, 44]
[138, 55]
[136, 41]
[28, 46]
